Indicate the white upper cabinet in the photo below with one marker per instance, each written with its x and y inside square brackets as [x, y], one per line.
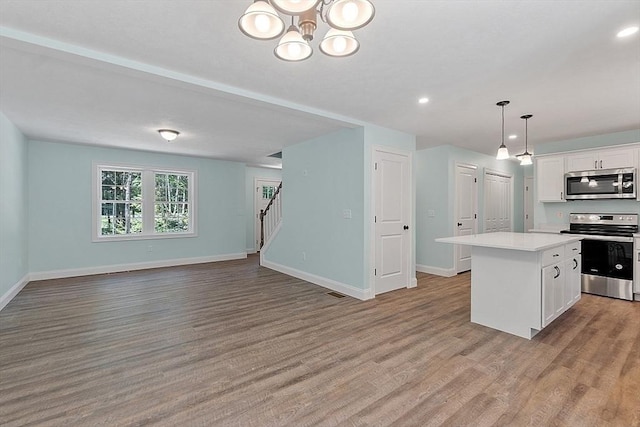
[549, 175]
[602, 159]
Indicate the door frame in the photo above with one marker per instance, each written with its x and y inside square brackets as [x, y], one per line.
[456, 250]
[502, 174]
[256, 227]
[413, 282]
[528, 181]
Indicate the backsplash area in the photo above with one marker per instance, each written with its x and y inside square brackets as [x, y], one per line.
[558, 213]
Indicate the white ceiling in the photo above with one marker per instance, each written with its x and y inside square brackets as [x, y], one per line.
[112, 73]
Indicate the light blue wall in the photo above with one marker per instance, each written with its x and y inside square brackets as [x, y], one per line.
[251, 173]
[60, 221]
[320, 178]
[13, 206]
[378, 136]
[435, 177]
[558, 213]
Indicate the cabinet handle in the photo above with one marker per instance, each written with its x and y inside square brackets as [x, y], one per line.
[556, 255]
[562, 195]
[595, 165]
[575, 263]
[558, 270]
[600, 164]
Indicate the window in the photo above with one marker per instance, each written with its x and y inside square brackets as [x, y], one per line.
[142, 202]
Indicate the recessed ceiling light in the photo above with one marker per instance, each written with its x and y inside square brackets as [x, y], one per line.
[513, 136]
[423, 100]
[628, 31]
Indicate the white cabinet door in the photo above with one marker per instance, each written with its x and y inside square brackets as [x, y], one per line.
[549, 176]
[615, 159]
[582, 161]
[572, 283]
[551, 294]
[601, 159]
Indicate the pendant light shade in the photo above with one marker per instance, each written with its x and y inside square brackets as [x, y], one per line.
[293, 47]
[350, 15]
[525, 158]
[339, 43]
[261, 21]
[294, 7]
[503, 152]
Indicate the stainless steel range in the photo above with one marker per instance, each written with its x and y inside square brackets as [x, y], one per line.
[607, 252]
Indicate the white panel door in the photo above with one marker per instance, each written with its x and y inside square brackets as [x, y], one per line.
[466, 212]
[498, 204]
[392, 214]
[264, 191]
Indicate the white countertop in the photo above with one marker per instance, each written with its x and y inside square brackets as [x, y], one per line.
[532, 242]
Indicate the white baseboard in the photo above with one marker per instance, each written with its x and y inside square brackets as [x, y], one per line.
[444, 272]
[361, 294]
[8, 296]
[251, 251]
[117, 268]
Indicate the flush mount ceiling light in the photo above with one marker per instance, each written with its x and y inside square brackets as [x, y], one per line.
[423, 100]
[503, 152]
[525, 158]
[262, 21]
[168, 134]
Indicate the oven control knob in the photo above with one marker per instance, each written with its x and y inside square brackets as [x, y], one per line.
[619, 267]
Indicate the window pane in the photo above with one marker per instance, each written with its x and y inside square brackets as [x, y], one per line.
[108, 192]
[121, 218]
[108, 177]
[171, 217]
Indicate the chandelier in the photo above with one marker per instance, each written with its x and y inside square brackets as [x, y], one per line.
[261, 21]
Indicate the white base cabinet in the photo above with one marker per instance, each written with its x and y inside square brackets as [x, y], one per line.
[522, 292]
[561, 281]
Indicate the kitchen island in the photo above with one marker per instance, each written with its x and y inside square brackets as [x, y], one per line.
[521, 282]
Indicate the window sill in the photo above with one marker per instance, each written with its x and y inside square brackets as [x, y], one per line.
[121, 238]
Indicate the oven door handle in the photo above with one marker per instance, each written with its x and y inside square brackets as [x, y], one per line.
[598, 237]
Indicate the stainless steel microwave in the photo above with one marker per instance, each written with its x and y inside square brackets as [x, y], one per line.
[601, 184]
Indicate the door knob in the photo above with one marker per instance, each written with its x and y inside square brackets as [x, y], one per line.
[406, 227]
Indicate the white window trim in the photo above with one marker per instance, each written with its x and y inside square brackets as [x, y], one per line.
[148, 200]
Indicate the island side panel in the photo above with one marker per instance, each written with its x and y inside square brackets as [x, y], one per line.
[506, 291]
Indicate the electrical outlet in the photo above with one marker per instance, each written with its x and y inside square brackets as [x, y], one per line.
[560, 214]
[149, 248]
[346, 214]
[431, 213]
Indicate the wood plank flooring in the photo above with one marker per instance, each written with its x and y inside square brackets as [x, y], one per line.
[235, 344]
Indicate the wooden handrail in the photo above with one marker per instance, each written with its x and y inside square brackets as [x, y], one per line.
[263, 213]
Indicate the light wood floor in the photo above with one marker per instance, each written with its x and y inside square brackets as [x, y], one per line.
[235, 344]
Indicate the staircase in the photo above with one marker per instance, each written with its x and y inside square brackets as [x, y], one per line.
[270, 216]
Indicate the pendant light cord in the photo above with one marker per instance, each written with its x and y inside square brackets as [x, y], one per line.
[502, 124]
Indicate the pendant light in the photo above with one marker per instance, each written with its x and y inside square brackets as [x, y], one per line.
[525, 158]
[294, 7]
[293, 47]
[265, 20]
[261, 21]
[503, 152]
[350, 15]
[339, 43]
